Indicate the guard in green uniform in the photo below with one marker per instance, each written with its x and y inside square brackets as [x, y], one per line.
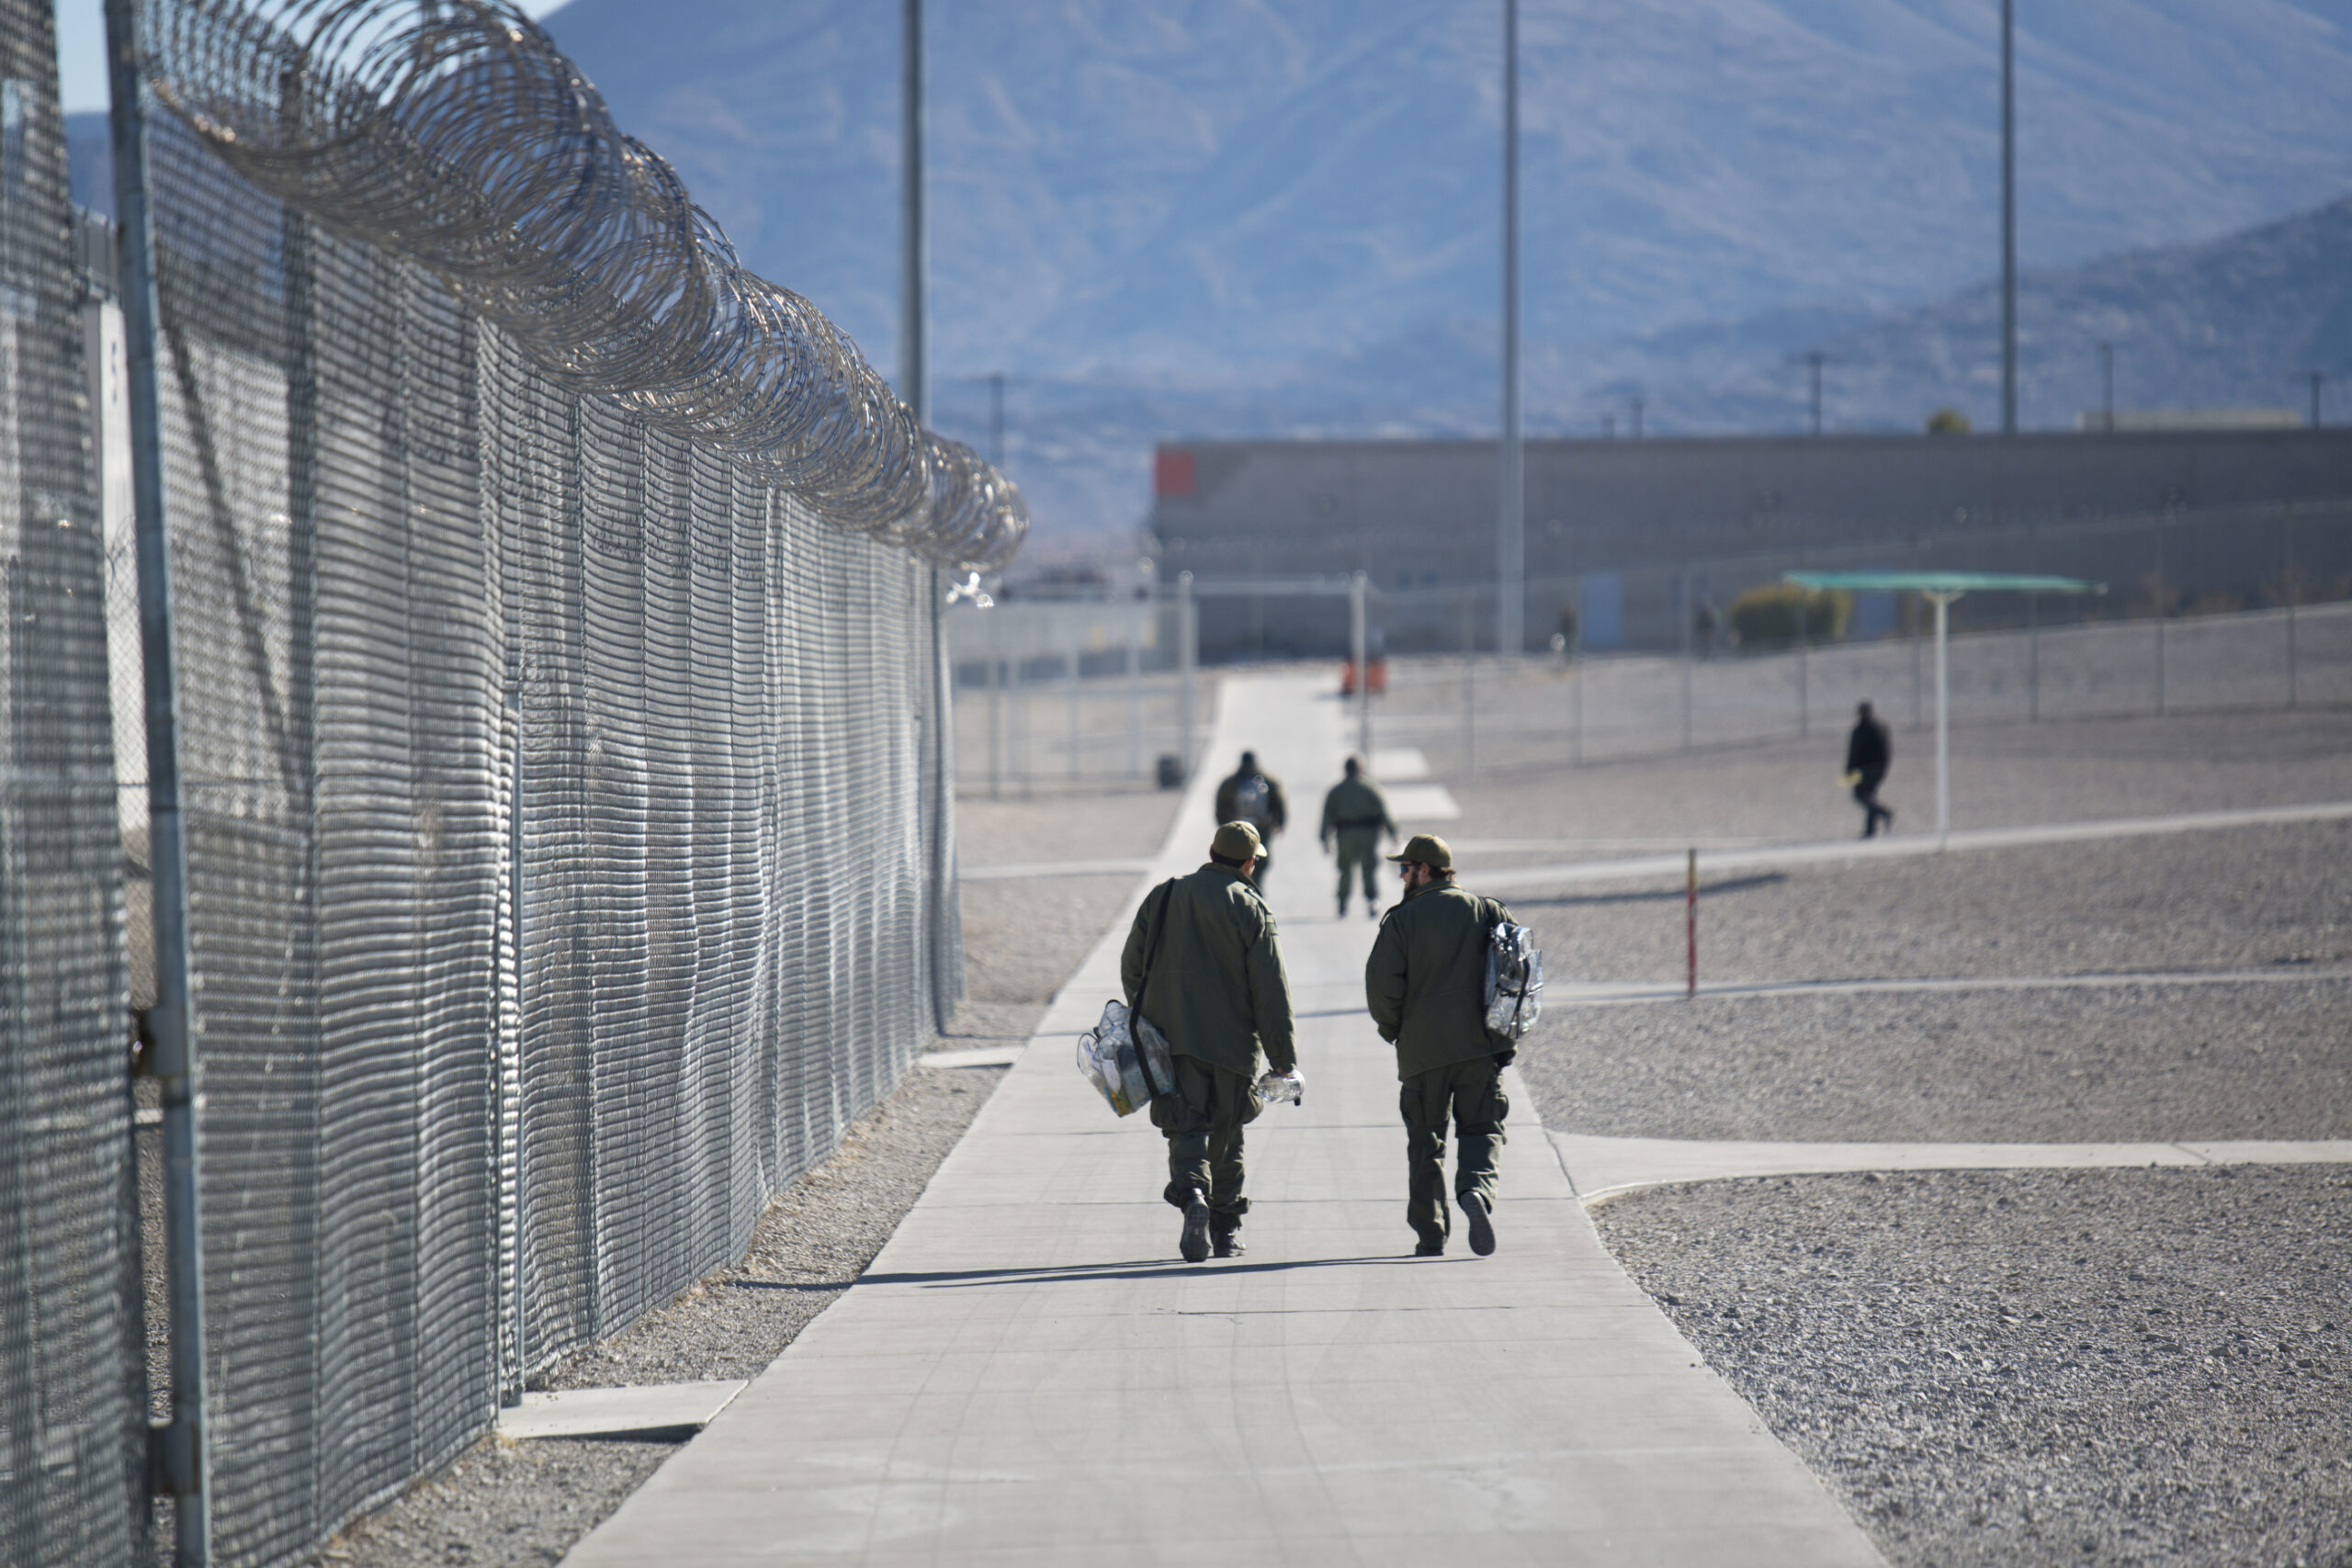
[1426, 986]
[1355, 814]
[1205, 965]
[1251, 794]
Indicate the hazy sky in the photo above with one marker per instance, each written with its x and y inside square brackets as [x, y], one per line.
[82, 50]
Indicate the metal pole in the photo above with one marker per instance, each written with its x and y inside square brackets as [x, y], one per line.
[1469, 680]
[1188, 654]
[2107, 385]
[913, 390]
[1813, 361]
[1943, 714]
[1510, 520]
[2008, 224]
[2163, 599]
[178, 1446]
[1356, 651]
[996, 418]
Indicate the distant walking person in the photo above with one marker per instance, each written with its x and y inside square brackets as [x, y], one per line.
[1253, 795]
[1355, 814]
[1425, 986]
[1218, 989]
[1867, 751]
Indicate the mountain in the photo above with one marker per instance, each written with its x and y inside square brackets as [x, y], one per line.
[1197, 216]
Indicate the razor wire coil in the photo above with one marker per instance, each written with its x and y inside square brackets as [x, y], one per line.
[456, 133]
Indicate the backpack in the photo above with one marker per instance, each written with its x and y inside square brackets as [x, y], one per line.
[1514, 983]
[1252, 800]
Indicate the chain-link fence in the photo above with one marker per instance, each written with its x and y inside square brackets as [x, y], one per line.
[1483, 712]
[566, 813]
[1059, 693]
[73, 1424]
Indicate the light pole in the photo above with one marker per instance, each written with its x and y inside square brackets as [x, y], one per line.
[2008, 225]
[1510, 517]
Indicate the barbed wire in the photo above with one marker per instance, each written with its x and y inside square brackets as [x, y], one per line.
[456, 133]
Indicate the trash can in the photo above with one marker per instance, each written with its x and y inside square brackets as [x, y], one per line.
[1172, 771]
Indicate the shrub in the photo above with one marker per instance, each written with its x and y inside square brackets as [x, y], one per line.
[1947, 421]
[1783, 612]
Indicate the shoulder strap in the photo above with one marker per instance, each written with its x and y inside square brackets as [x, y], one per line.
[1158, 933]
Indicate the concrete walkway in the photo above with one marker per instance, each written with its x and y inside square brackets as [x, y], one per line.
[1028, 1373]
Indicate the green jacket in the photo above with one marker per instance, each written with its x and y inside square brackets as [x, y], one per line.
[1355, 805]
[1426, 980]
[1218, 989]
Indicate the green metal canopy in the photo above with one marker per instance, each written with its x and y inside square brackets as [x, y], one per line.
[1943, 583]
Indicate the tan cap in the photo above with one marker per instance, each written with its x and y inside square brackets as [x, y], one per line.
[1426, 849]
[1236, 840]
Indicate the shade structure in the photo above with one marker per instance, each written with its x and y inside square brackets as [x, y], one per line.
[1941, 588]
[1952, 582]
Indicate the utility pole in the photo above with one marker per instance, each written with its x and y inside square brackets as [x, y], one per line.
[2008, 223]
[2107, 385]
[1813, 359]
[1510, 520]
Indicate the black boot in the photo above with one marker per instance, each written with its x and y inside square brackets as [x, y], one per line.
[1482, 1227]
[1194, 1243]
[1225, 1236]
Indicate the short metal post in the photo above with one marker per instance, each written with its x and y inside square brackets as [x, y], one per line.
[2033, 659]
[1690, 923]
[1576, 691]
[179, 1445]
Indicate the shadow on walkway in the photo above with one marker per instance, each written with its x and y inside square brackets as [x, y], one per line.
[1139, 1270]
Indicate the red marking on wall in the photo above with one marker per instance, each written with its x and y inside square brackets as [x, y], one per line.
[1173, 474]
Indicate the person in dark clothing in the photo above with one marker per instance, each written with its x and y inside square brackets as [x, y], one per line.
[1253, 795]
[1868, 752]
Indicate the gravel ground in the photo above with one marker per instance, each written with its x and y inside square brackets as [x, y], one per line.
[507, 1502]
[1788, 790]
[2237, 899]
[2122, 1066]
[2035, 1367]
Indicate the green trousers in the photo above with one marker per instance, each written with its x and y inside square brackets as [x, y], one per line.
[1359, 852]
[1203, 1119]
[1471, 1093]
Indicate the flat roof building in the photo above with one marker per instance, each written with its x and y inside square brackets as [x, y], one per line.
[1636, 535]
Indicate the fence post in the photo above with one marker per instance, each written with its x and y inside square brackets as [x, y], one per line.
[1804, 685]
[1469, 680]
[996, 729]
[1134, 691]
[1070, 681]
[1188, 659]
[2294, 597]
[177, 1461]
[1575, 651]
[1682, 599]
